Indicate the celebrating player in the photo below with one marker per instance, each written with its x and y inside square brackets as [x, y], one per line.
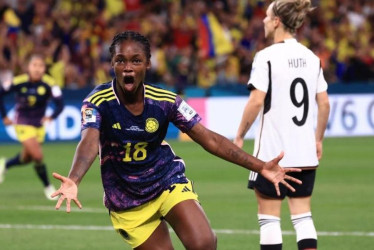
[33, 92]
[145, 186]
[286, 82]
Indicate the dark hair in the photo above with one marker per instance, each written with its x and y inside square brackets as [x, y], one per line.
[132, 36]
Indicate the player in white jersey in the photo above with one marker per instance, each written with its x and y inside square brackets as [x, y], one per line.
[287, 90]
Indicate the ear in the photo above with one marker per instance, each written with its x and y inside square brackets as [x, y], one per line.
[149, 64]
[277, 21]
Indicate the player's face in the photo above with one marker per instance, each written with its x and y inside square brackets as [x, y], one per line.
[130, 65]
[36, 68]
[269, 24]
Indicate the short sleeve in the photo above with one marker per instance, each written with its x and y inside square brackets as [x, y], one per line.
[322, 84]
[184, 117]
[259, 77]
[56, 91]
[90, 116]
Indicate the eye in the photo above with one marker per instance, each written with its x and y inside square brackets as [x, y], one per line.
[119, 60]
[137, 61]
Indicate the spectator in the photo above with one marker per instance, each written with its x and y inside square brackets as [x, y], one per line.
[334, 33]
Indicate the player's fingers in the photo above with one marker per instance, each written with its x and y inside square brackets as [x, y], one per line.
[292, 170]
[293, 179]
[276, 185]
[55, 194]
[288, 186]
[59, 202]
[279, 157]
[78, 203]
[68, 205]
[58, 176]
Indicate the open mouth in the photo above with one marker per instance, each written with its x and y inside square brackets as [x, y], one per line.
[128, 79]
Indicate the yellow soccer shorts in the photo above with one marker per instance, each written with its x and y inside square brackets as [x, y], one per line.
[137, 224]
[25, 132]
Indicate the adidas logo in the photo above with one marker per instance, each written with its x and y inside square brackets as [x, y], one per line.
[186, 189]
[116, 125]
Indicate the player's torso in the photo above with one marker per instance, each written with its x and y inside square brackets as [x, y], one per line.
[140, 135]
[136, 163]
[293, 75]
[31, 101]
[30, 95]
[288, 123]
[128, 139]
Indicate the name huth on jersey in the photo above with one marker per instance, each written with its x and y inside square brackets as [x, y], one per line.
[297, 63]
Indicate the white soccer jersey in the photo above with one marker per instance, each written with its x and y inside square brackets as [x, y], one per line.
[291, 76]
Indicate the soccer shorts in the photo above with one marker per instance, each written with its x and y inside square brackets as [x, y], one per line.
[137, 224]
[25, 132]
[265, 187]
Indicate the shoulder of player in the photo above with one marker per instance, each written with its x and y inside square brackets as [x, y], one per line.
[101, 93]
[48, 80]
[24, 78]
[268, 53]
[159, 94]
[265, 54]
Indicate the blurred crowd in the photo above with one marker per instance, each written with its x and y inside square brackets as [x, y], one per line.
[74, 36]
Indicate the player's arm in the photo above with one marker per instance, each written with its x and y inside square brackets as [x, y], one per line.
[85, 155]
[222, 147]
[3, 112]
[59, 106]
[322, 119]
[58, 102]
[252, 108]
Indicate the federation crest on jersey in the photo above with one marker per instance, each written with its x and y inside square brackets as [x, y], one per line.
[186, 110]
[41, 90]
[89, 115]
[151, 125]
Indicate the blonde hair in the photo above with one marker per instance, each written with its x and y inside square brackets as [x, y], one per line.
[292, 12]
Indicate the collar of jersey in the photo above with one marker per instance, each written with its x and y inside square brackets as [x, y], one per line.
[290, 40]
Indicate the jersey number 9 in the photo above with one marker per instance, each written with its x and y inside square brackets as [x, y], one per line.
[303, 102]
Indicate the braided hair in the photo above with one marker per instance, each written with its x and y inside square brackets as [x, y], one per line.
[130, 35]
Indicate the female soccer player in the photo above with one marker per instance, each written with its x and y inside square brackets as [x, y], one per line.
[33, 91]
[286, 85]
[145, 186]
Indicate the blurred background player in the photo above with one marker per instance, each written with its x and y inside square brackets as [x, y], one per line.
[287, 84]
[125, 121]
[33, 91]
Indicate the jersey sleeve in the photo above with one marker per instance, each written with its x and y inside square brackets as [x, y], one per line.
[2, 106]
[4, 90]
[322, 84]
[90, 116]
[259, 77]
[184, 117]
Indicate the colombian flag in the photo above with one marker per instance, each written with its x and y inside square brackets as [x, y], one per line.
[213, 40]
[13, 23]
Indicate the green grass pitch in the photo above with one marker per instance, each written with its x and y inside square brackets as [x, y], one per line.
[342, 203]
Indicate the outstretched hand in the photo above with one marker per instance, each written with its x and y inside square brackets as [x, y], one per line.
[68, 190]
[7, 121]
[276, 174]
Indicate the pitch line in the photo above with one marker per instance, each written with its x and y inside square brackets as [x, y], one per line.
[52, 208]
[218, 231]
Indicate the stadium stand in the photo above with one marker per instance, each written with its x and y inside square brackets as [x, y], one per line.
[196, 44]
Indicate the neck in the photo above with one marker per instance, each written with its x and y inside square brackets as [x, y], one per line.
[281, 35]
[134, 102]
